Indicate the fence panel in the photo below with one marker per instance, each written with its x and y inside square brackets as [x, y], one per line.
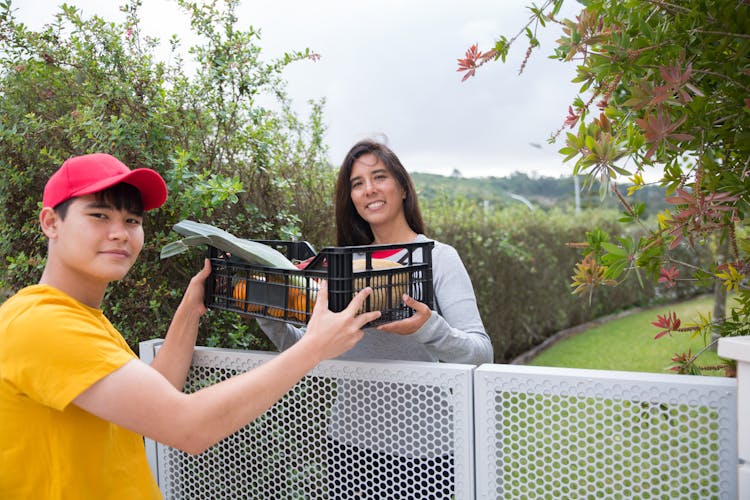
[565, 433]
[346, 430]
[412, 430]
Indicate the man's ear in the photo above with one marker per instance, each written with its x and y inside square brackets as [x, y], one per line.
[49, 220]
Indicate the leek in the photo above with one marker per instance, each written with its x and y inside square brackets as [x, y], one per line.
[253, 252]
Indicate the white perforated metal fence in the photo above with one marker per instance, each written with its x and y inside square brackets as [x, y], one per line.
[347, 430]
[389, 430]
[562, 433]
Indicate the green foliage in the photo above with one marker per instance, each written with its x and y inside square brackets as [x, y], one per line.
[519, 261]
[671, 82]
[83, 85]
[543, 191]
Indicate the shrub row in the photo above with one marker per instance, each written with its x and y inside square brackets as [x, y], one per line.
[521, 269]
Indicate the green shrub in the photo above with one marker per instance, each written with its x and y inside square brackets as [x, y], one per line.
[520, 264]
[85, 85]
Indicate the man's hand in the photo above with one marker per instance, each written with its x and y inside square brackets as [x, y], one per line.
[332, 334]
[174, 358]
[194, 297]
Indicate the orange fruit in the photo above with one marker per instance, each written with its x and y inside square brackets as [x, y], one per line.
[239, 293]
[296, 302]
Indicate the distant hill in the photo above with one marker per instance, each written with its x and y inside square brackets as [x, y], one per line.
[542, 192]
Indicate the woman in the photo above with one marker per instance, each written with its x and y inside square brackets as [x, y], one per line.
[376, 204]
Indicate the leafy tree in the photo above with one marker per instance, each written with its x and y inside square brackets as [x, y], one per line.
[665, 86]
[82, 85]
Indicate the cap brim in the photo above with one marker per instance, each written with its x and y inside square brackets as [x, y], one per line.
[149, 183]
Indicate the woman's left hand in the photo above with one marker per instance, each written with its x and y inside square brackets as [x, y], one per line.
[409, 325]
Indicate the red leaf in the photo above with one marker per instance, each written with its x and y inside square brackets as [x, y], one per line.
[669, 276]
[670, 323]
[469, 63]
[572, 117]
[468, 75]
[661, 334]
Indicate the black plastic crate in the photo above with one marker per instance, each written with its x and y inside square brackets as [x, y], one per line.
[289, 295]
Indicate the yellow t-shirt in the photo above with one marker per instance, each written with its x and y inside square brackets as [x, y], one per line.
[52, 348]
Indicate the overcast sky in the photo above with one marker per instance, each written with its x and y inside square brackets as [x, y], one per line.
[388, 69]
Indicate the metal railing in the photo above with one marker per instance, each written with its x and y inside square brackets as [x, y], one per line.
[426, 430]
[569, 433]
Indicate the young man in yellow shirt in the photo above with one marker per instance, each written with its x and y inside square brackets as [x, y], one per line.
[75, 401]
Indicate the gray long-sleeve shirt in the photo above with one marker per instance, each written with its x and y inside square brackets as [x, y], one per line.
[453, 334]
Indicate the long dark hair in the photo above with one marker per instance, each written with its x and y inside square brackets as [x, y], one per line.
[351, 229]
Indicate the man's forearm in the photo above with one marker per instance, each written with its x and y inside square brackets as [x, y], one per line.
[224, 408]
[175, 355]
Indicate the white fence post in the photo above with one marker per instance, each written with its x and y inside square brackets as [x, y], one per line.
[147, 353]
[738, 348]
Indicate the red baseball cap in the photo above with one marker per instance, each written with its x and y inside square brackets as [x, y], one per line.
[89, 174]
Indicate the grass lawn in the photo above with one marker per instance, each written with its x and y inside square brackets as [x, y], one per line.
[628, 343]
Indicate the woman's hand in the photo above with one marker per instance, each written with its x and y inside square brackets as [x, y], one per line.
[409, 325]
